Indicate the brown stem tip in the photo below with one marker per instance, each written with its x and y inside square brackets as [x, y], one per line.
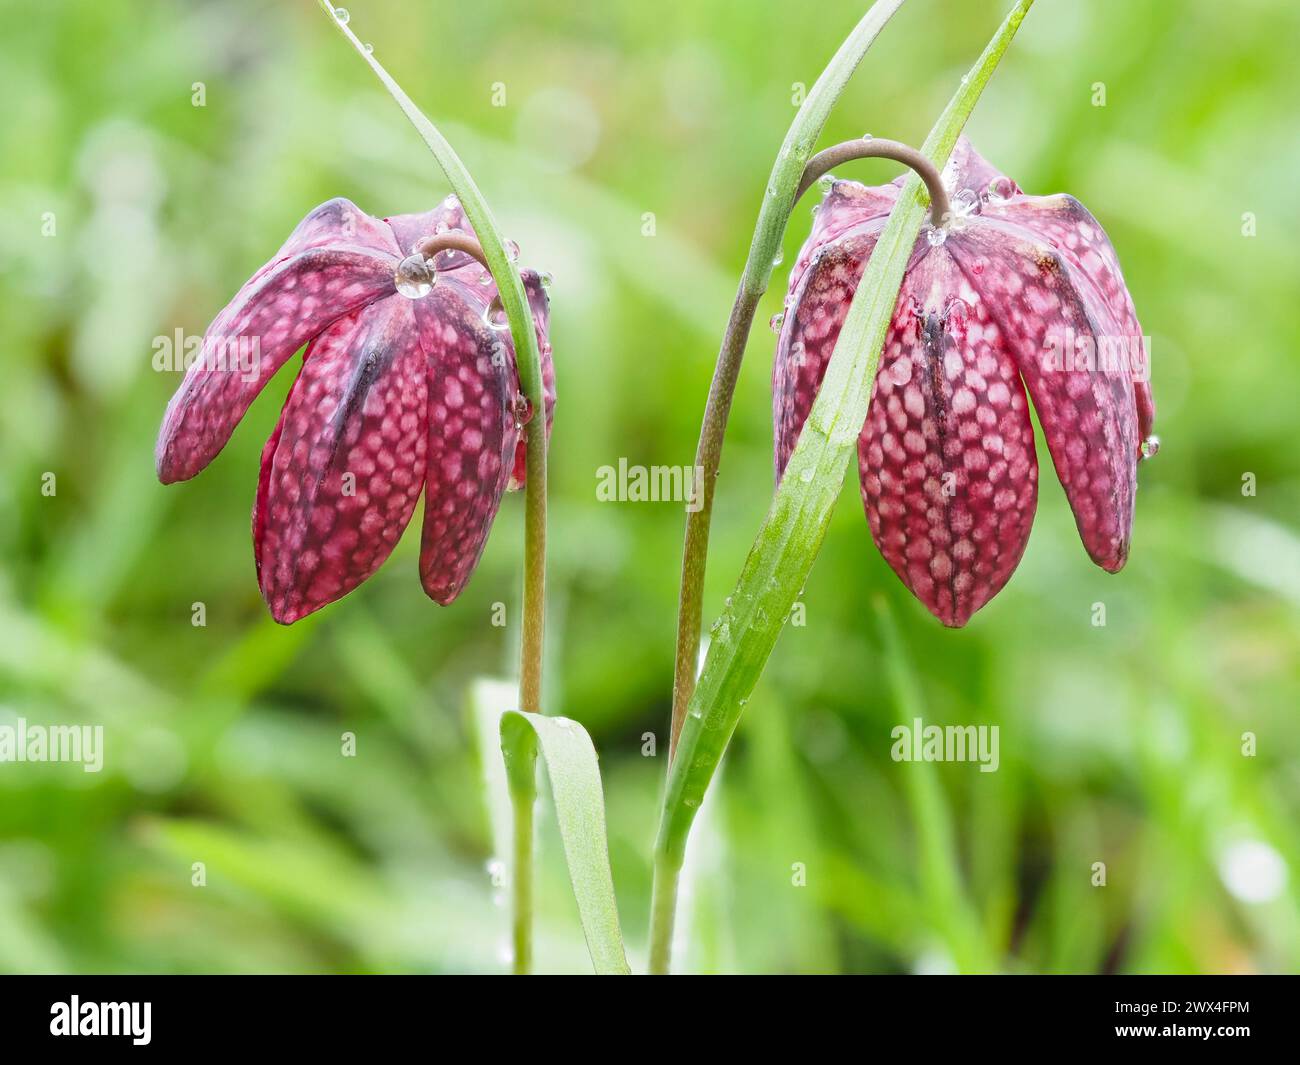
[880, 148]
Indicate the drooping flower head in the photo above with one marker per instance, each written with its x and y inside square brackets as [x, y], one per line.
[1017, 292]
[408, 383]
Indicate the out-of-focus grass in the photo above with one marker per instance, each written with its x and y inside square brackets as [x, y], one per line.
[1119, 744]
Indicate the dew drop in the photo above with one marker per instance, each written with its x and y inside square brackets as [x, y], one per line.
[867, 137]
[1150, 447]
[1001, 189]
[780, 258]
[521, 409]
[546, 279]
[512, 250]
[451, 202]
[370, 49]
[495, 317]
[342, 14]
[776, 320]
[414, 277]
[965, 202]
[935, 235]
[827, 182]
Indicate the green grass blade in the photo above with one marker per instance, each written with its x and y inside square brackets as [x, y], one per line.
[783, 554]
[574, 773]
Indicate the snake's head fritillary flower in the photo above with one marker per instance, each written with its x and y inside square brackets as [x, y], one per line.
[1015, 293]
[408, 383]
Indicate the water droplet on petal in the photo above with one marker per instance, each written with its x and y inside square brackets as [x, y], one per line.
[956, 312]
[341, 13]
[776, 320]
[1150, 447]
[451, 202]
[965, 202]
[494, 315]
[827, 182]
[415, 277]
[1001, 189]
[935, 235]
[521, 409]
[546, 279]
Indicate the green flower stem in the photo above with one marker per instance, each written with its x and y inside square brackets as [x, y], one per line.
[783, 554]
[523, 800]
[773, 215]
[514, 300]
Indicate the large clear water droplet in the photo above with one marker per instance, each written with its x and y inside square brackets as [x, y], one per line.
[966, 202]
[494, 316]
[1151, 447]
[827, 182]
[341, 13]
[1001, 189]
[546, 279]
[935, 235]
[776, 320]
[415, 277]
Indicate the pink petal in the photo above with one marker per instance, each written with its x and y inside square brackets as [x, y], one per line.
[271, 317]
[472, 433]
[1073, 231]
[410, 229]
[1046, 307]
[946, 458]
[480, 291]
[337, 223]
[342, 472]
[812, 324]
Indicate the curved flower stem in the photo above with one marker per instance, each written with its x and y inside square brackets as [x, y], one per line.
[796, 150]
[433, 246]
[880, 148]
[787, 545]
[528, 359]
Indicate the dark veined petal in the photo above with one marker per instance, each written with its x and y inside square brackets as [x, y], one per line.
[946, 458]
[817, 309]
[480, 292]
[336, 223]
[472, 433]
[342, 472]
[1072, 230]
[271, 317]
[1063, 337]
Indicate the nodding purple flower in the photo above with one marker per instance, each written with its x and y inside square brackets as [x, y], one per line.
[1016, 293]
[408, 383]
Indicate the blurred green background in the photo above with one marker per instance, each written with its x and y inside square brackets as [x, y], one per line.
[1120, 744]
